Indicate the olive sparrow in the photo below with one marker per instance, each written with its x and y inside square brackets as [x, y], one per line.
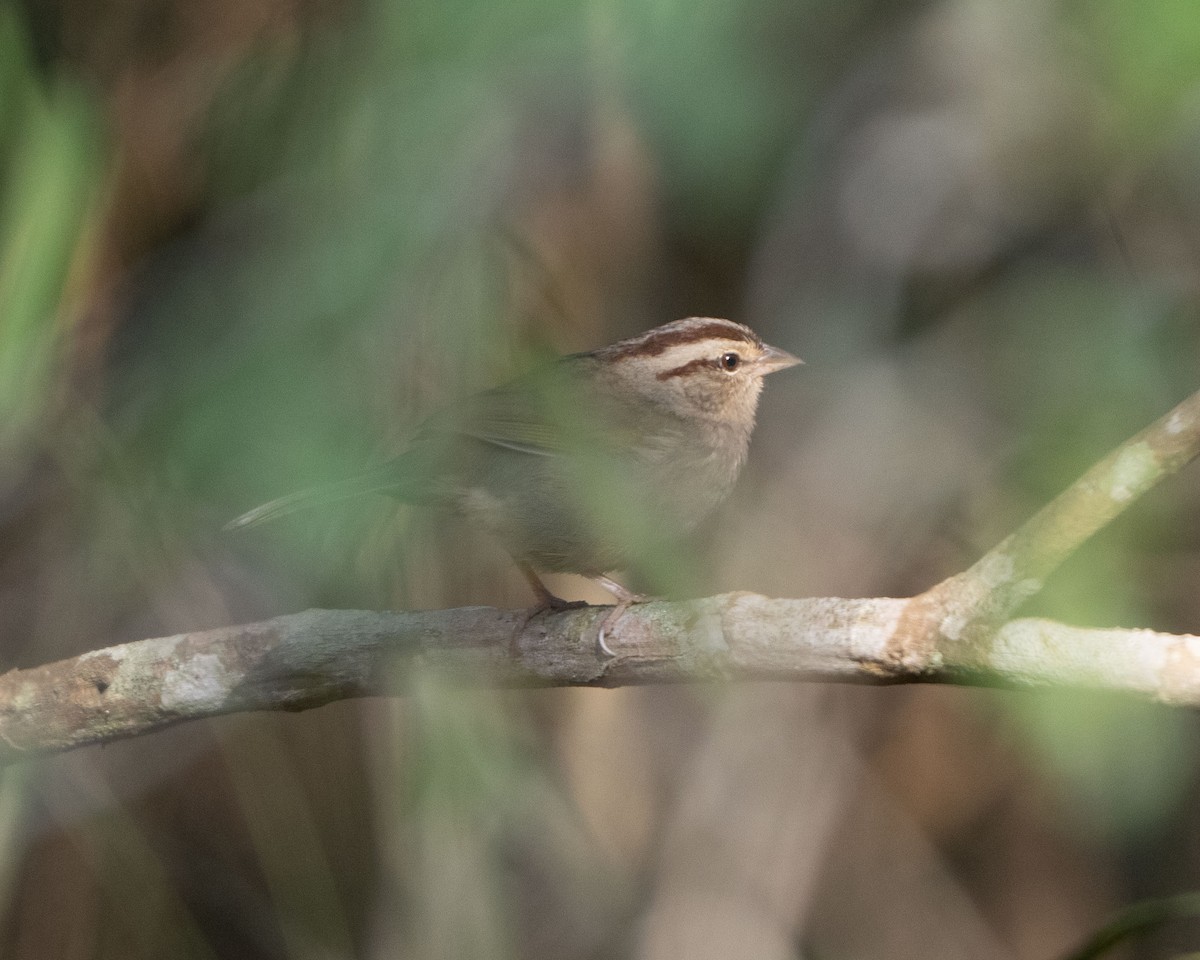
[572, 464]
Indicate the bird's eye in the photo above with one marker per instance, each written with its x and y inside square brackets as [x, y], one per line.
[730, 361]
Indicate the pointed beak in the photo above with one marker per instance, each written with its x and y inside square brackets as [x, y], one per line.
[774, 359]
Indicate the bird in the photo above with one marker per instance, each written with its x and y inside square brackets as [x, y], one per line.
[576, 465]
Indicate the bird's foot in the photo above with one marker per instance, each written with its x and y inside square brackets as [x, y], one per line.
[558, 604]
[547, 602]
[616, 613]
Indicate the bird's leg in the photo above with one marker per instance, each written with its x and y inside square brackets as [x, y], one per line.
[625, 599]
[623, 594]
[547, 600]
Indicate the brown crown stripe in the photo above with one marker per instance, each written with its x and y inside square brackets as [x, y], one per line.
[685, 369]
[658, 341]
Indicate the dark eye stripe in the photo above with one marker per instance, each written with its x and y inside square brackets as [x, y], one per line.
[685, 369]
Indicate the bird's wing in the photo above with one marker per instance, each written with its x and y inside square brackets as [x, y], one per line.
[509, 416]
[552, 412]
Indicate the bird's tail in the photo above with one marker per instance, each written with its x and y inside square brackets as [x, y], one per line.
[383, 479]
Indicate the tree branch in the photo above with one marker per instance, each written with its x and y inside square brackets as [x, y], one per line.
[309, 659]
[953, 632]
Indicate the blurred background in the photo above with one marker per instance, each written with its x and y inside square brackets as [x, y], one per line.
[246, 246]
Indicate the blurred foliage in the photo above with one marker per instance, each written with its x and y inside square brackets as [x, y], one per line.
[1147, 57]
[245, 248]
[49, 176]
[1123, 766]
[1136, 920]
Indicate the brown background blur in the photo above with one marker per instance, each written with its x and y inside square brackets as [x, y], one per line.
[247, 246]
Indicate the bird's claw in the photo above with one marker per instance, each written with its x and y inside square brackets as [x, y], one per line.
[610, 619]
[602, 647]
